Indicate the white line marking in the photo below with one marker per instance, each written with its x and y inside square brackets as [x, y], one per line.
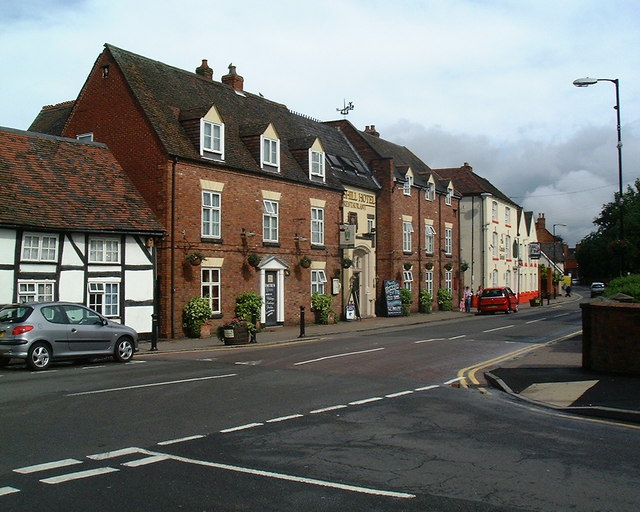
[167, 383]
[147, 460]
[430, 339]
[77, 476]
[285, 418]
[499, 328]
[325, 409]
[458, 337]
[8, 490]
[534, 321]
[453, 380]
[366, 400]
[292, 478]
[180, 440]
[92, 367]
[338, 355]
[558, 316]
[241, 427]
[427, 388]
[47, 465]
[399, 393]
[115, 453]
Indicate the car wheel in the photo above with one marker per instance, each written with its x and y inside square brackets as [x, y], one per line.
[4, 361]
[124, 350]
[515, 309]
[39, 356]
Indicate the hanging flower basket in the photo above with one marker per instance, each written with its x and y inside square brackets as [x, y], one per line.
[195, 258]
[253, 259]
[305, 262]
[428, 265]
[408, 266]
[448, 266]
[464, 266]
[346, 262]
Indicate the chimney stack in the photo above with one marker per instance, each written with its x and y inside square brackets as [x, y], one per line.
[204, 70]
[371, 130]
[233, 79]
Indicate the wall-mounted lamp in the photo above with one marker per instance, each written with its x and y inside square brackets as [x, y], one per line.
[245, 234]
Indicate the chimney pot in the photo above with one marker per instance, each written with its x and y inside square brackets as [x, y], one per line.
[233, 79]
[204, 70]
[371, 130]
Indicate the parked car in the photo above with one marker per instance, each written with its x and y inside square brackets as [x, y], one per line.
[497, 299]
[575, 281]
[597, 288]
[40, 332]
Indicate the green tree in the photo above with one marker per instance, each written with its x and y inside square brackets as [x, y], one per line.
[602, 255]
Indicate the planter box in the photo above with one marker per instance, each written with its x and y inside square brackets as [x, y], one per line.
[236, 335]
[535, 302]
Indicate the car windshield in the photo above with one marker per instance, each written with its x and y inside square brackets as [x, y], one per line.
[492, 293]
[15, 314]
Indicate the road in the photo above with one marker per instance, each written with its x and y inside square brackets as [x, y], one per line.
[369, 421]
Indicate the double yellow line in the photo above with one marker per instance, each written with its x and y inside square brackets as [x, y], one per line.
[469, 373]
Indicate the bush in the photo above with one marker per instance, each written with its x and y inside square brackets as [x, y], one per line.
[194, 314]
[247, 305]
[321, 306]
[629, 285]
[425, 301]
[407, 300]
[445, 300]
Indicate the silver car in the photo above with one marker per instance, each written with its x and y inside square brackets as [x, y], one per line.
[42, 331]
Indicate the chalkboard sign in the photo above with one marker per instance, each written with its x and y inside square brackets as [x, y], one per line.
[391, 299]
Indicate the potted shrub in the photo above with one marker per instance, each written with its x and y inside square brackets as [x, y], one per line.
[248, 306]
[445, 300]
[406, 300]
[195, 313]
[195, 258]
[305, 262]
[253, 259]
[321, 306]
[346, 262]
[425, 301]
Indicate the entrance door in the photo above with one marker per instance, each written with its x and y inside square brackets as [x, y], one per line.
[271, 297]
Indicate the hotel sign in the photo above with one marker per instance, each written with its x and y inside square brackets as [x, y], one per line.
[358, 200]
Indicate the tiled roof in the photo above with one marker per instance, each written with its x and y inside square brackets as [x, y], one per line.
[168, 95]
[52, 118]
[55, 183]
[468, 183]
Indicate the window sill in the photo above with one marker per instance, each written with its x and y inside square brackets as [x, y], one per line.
[318, 247]
[207, 240]
[270, 244]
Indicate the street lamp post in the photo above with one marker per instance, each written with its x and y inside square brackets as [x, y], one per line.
[585, 82]
[554, 253]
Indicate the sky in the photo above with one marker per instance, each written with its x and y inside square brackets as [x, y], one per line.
[483, 82]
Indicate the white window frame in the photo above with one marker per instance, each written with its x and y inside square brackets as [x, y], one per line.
[316, 163]
[318, 281]
[107, 290]
[85, 137]
[270, 152]
[494, 277]
[448, 241]
[494, 211]
[429, 239]
[430, 192]
[317, 226]
[448, 280]
[211, 286]
[507, 278]
[428, 281]
[406, 189]
[270, 221]
[39, 247]
[211, 225]
[211, 142]
[449, 196]
[407, 279]
[507, 216]
[104, 250]
[407, 229]
[36, 291]
[507, 247]
[494, 248]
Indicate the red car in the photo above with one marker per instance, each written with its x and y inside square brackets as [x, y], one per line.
[497, 299]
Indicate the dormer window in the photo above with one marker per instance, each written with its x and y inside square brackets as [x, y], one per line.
[449, 196]
[430, 192]
[317, 163]
[407, 185]
[212, 135]
[270, 152]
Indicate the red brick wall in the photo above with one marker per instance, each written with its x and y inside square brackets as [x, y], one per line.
[611, 337]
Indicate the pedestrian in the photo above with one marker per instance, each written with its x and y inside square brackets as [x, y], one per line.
[567, 291]
[468, 297]
[461, 305]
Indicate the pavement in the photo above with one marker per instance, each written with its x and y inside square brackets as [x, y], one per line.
[549, 375]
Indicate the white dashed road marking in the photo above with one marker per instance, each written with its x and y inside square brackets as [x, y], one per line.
[338, 355]
[77, 476]
[47, 466]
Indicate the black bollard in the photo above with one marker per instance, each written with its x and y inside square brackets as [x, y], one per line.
[254, 321]
[302, 334]
[154, 332]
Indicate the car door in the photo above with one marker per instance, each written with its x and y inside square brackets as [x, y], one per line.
[56, 329]
[512, 300]
[87, 333]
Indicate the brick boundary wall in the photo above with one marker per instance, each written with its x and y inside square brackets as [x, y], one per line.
[611, 337]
